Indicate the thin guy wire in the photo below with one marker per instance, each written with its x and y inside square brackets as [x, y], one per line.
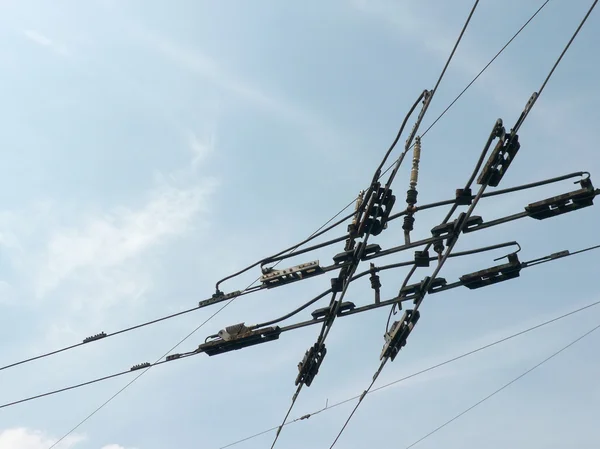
[564, 348]
[479, 74]
[170, 350]
[325, 330]
[184, 355]
[520, 121]
[431, 368]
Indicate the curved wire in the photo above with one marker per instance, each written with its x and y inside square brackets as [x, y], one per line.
[189, 354]
[450, 247]
[313, 236]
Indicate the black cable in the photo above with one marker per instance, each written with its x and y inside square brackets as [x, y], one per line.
[377, 270]
[426, 370]
[522, 119]
[349, 271]
[526, 264]
[449, 214]
[496, 192]
[247, 291]
[320, 231]
[489, 396]
[181, 341]
[480, 73]
[514, 130]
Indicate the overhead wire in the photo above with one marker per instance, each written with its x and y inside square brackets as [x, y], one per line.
[180, 356]
[248, 291]
[480, 73]
[159, 360]
[336, 304]
[506, 385]
[443, 259]
[430, 368]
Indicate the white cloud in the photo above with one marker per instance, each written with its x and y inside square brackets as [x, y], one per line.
[22, 438]
[109, 240]
[44, 41]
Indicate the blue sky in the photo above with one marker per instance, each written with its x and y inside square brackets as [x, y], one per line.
[150, 148]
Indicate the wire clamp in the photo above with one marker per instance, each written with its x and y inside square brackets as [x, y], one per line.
[396, 338]
[308, 368]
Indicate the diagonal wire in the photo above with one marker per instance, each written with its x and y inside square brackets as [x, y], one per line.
[480, 72]
[325, 330]
[100, 407]
[426, 370]
[518, 124]
[489, 396]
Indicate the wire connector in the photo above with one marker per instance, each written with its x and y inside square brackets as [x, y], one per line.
[94, 337]
[422, 258]
[324, 311]
[243, 339]
[308, 368]
[396, 338]
[562, 204]
[275, 278]
[375, 283]
[502, 156]
[140, 366]
[464, 197]
[493, 275]
[219, 297]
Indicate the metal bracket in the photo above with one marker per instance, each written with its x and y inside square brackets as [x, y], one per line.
[308, 368]
[94, 337]
[324, 311]
[250, 338]
[464, 197]
[422, 258]
[275, 278]
[418, 288]
[562, 204]
[493, 275]
[396, 338]
[218, 297]
[501, 157]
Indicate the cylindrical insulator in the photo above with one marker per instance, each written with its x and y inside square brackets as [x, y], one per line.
[411, 197]
[414, 173]
[409, 221]
[375, 282]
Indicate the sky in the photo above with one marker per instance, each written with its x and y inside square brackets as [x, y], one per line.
[151, 148]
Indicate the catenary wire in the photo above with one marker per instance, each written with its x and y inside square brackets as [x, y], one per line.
[158, 361]
[480, 73]
[426, 370]
[190, 353]
[514, 130]
[192, 309]
[335, 305]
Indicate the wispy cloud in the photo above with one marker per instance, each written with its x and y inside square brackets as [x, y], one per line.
[111, 239]
[86, 261]
[203, 65]
[44, 41]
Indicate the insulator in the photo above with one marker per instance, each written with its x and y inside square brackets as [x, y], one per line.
[409, 221]
[414, 173]
[411, 196]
